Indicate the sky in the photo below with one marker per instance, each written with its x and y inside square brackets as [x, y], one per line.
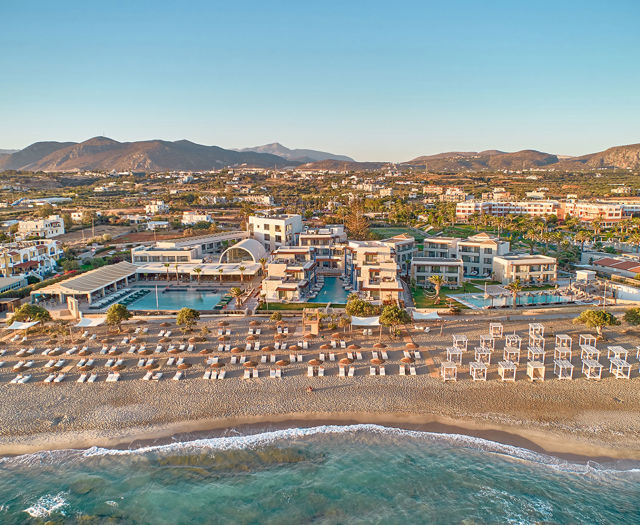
[379, 81]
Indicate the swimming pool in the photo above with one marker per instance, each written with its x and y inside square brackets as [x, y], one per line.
[331, 292]
[478, 301]
[175, 299]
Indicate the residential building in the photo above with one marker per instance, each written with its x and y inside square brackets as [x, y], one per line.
[274, 231]
[155, 207]
[404, 247]
[194, 217]
[477, 253]
[450, 269]
[371, 267]
[529, 269]
[328, 244]
[290, 274]
[38, 258]
[264, 200]
[46, 228]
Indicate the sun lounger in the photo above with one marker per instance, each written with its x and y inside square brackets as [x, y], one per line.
[279, 373]
[305, 345]
[352, 371]
[256, 346]
[263, 359]
[374, 354]
[350, 355]
[222, 374]
[359, 356]
[382, 371]
[272, 373]
[92, 377]
[332, 356]
[248, 347]
[104, 349]
[158, 349]
[161, 333]
[141, 349]
[220, 347]
[384, 355]
[82, 378]
[207, 374]
[277, 345]
[181, 347]
[167, 334]
[227, 348]
[292, 358]
[60, 378]
[343, 344]
[179, 375]
[157, 376]
[49, 364]
[321, 371]
[418, 354]
[273, 358]
[234, 359]
[413, 371]
[147, 376]
[171, 348]
[113, 377]
[309, 371]
[16, 379]
[321, 356]
[93, 337]
[71, 351]
[372, 370]
[341, 372]
[49, 378]
[24, 379]
[141, 362]
[1, 364]
[402, 371]
[247, 374]
[334, 344]
[283, 346]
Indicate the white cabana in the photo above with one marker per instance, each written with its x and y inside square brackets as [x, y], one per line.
[90, 322]
[365, 321]
[22, 326]
[424, 316]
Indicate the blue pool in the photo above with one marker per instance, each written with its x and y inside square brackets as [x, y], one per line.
[332, 292]
[478, 301]
[177, 299]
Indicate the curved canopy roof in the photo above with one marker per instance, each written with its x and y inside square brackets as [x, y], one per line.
[253, 248]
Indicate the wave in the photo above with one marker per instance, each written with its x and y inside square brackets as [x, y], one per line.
[47, 505]
[249, 441]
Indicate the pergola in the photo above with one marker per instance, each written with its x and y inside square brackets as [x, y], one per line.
[535, 371]
[536, 340]
[620, 368]
[487, 341]
[563, 347]
[535, 353]
[513, 341]
[592, 369]
[478, 371]
[536, 329]
[495, 329]
[449, 371]
[507, 370]
[618, 352]
[454, 354]
[460, 341]
[563, 369]
[483, 354]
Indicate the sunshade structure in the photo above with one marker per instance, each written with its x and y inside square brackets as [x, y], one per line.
[94, 284]
[22, 326]
[424, 316]
[90, 322]
[365, 322]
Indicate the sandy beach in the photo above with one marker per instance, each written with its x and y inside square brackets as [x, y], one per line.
[576, 419]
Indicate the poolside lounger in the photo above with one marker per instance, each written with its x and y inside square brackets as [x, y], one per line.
[384, 355]
[359, 356]
[82, 378]
[60, 378]
[343, 344]
[181, 347]
[413, 371]
[321, 371]
[309, 371]
[207, 374]
[222, 374]
[263, 359]
[227, 348]
[179, 375]
[372, 370]
[247, 374]
[341, 372]
[272, 373]
[234, 359]
[382, 371]
[49, 378]
[402, 370]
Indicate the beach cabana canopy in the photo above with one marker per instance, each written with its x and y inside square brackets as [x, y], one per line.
[22, 326]
[420, 316]
[365, 321]
[88, 322]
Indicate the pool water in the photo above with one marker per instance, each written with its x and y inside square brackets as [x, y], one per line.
[332, 292]
[478, 301]
[169, 299]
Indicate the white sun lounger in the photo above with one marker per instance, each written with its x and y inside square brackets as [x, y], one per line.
[190, 348]
[227, 348]
[181, 347]
[374, 354]
[372, 370]
[341, 372]
[207, 374]
[161, 333]
[332, 356]
[234, 359]
[352, 371]
[343, 344]
[92, 377]
[171, 348]
[305, 345]
[384, 355]
[413, 371]
[60, 378]
[49, 364]
[382, 371]
[93, 337]
[179, 375]
[158, 349]
[71, 351]
[222, 374]
[24, 379]
[82, 378]
[321, 356]
[279, 373]
[248, 347]
[141, 362]
[359, 356]
[247, 374]
[350, 355]
[141, 349]
[147, 376]
[220, 347]
[321, 371]
[263, 359]
[402, 370]
[272, 373]
[309, 371]
[157, 376]
[49, 378]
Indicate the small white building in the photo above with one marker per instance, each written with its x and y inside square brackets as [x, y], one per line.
[274, 231]
[46, 228]
[529, 269]
[155, 207]
[194, 217]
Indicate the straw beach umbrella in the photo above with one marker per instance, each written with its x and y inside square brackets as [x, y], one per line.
[294, 348]
[85, 368]
[151, 366]
[217, 365]
[173, 350]
[84, 351]
[254, 323]
[165, 324]
[205, 351]
[117, 368]
[377, 361]
[237, 350]
[379, 345]
[353, 346]
[223, 323]
[325, 347]
[411, 346]
[282, 362]
[345, 361]
[250, 364]
[146, 351]
[315, 362]
[336, 335]
[308, 337]
[223, 338]
[184, 366]
[279, 336]
[251, 338]
[267, 348]
[408, 360]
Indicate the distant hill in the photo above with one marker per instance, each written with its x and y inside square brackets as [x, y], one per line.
[102, 153]
[484, 160]
[625, 157]
[7, 151]
[337, 165]
[299, 155]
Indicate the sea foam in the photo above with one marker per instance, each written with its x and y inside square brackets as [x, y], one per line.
[46, 505]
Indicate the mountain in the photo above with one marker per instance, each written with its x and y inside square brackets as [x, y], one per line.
[7, 151]
[102, 153]
[484, 160]
[338, 165]
[299, 155]
[624, 157]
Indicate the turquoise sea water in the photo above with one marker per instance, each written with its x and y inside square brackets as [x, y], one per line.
[331, 292]
[326, 475]
[177, 299]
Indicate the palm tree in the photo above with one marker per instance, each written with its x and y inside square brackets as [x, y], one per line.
[635, 239]
[197, 271]
[263, 263]
[220, 273]
[242, 269]
[167, 265]
[236, 293]
[530, 239]
[582, 236]
[177, 274]
[437, 282]
[514, 287]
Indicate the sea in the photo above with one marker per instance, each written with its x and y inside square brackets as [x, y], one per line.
[321, 475]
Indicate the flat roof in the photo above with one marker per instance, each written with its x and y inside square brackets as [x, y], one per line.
[93, 280]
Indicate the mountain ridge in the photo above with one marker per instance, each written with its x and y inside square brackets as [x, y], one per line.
[299, 155]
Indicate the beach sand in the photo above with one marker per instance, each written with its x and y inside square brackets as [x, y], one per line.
[576, 419]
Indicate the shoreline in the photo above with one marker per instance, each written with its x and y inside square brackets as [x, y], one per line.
[561, 445]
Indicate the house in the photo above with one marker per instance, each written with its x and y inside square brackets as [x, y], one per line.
[274, 231]
[45, 228]
[478, 251]
[450, 269]
[529, 269]
[190, 218]
[155, 207]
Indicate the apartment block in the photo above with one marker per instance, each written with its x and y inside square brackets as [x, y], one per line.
[450, 269]
[529, 269]
[274, 231]
[47, 228]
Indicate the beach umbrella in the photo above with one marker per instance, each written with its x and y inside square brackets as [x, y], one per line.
[377, 361]
[151, 366]
[165, 340]
[345, 361]
[379, 345]
[411, 346]
[353, 346]
[336, 335]
[173, 350]
[146, 351]
[217, 365]
[165, 324]
[308, 337]
[250, 364]
[282, 362]
[267, 349]
[279, 336]
[85, 368]
[84, 352]
[113, 352]
[105, 341]
[237, 350]
[325, 347]
[117, 368]
[193, 340]
[223, 338]
[223, 323]
[184, 366]
[254, 323]
[315, 362]
[205, 351]
[251, 338]
[294, 348]
[408, 360]
[281, 322]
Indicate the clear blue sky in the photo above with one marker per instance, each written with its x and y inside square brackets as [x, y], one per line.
[374, 80]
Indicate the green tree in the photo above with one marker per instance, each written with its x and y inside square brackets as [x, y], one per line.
[30, 312]
[263, 264]
[275, 317]
[167, 266]
[597, 319]
[514, 287]
[242, 269]
[197, 271]
[116, 314]
[437, 282]
[220, 270]
[188, 318]
[632, 316]
[356, 222]
[393, 316]
[360, 308]
[45, 210]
